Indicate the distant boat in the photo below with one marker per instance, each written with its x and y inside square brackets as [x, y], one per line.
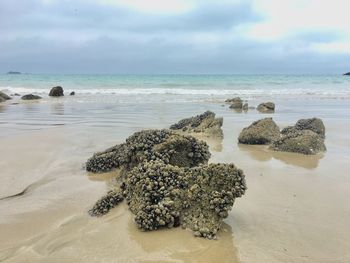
[14, 72]
[347, 74]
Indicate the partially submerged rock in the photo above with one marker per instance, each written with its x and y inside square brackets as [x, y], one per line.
[263, 131]
[245, 107]
[4, 96]
[30, 97]
[56, 92]
[2, 99]
[299, 141]
[314, 124]
[205, 123]
[236, 99]
[72, 93]
[266, 107]
[106, 203]
[165, 145]
[163, 195]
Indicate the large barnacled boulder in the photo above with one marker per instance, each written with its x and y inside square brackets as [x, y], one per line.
[165, 145]
[203, 124]
[263, 131]
[266, 107]
[299, 141]
[56, 92]
[4, 96]
[30, 97]
[314, 124]
[163, 195]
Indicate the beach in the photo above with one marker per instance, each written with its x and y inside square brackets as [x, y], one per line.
[295, 209]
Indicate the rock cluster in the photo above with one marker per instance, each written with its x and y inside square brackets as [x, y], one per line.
[163, 195]
[168, 146]
[205, 124]
[306, 137]
[4, 97]
[167, 183]
[266, 107]
[30, 97]
[56, 92]
[263, 131]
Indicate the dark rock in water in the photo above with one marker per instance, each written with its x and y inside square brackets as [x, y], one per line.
[165, 145]
[245, 107]
[14, 73]
[236, 99]
[299, 141]
[236, 105]
[266, 107]
[56, 92]
[72, 93]
[30, 97]
[205, 123]
[347, 74]
[263, 131]
[5, 96]
[106, 203]
[162, 195]
[15, 94]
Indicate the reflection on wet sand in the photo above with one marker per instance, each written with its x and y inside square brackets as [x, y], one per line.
[214, 142]
[57, 108]
[261, 153]
[182, 246]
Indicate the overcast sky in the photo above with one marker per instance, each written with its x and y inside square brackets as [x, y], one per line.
[175, 36]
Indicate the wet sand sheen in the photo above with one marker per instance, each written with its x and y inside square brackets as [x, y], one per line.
[294, 209]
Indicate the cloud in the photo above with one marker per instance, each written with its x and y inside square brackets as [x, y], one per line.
[119, 36]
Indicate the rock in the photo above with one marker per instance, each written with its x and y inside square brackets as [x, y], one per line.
[236, 99]
[245, 107]
[314, 124]
[147, 145]
[266, 107]
[106, 203]
[263, 131]
[2, 99]
[14, 73]
[5, 96]
[347, 74]
[205, 124]
[162, 195]
[72, 93]
[30, 97]
[299, 141]
[56, 92]
[15, 94]
[236, 105]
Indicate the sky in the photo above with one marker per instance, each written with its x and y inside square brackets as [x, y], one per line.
[175, 36]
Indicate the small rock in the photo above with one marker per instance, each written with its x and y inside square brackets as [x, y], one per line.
[72, 93]
[266, 107]
[30, 97]
[56, 92]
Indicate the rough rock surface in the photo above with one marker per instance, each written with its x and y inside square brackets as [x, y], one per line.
[205, 123]
[299, 141]
[266, 107]
[163, 195]
[56, 92]
[245, 107]
[166, 145]
[314, 124]
[263, 131]
[4, 96]
[30, 97]
[236, 99]
[107, 202]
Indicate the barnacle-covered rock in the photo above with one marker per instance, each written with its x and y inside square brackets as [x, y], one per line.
[266, 107]
[263, 131]
[107, 202]
[147, 145]
[299, 141]
[198, 198]
[314, 124]
[205, 123]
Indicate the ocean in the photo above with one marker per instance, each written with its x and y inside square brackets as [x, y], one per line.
[168, 88]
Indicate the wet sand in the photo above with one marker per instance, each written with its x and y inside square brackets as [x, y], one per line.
[295, 209]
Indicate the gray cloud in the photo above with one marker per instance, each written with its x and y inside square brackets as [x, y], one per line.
[86, 37]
